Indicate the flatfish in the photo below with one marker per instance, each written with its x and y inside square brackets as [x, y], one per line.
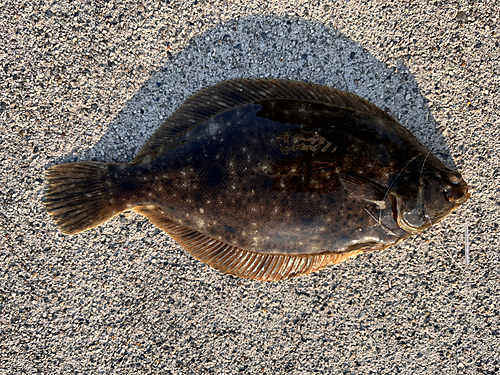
[268, 179]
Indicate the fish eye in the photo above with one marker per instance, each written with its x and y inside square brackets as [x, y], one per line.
[454, 177]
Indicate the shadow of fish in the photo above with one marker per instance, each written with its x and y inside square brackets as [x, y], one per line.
[268, 179]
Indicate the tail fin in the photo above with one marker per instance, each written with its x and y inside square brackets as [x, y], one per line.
[79, 196]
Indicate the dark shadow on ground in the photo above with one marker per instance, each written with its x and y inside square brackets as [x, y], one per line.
[277, 48]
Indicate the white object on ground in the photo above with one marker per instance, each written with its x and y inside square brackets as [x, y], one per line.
[466, 240]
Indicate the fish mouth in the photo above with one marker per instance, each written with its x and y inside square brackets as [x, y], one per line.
[423, 216]
[430, 213]
[408, 227]
[398, 212]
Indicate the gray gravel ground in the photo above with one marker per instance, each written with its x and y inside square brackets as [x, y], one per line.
[86, 80]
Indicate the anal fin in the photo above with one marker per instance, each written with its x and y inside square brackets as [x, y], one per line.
[240, 262]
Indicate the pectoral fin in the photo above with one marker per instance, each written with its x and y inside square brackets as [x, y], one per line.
[364, 190]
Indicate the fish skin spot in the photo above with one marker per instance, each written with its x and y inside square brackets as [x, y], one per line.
[213, 128]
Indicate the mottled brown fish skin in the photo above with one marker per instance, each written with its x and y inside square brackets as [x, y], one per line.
[293, 176]
[238, 184]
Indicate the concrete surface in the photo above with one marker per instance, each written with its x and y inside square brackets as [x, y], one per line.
[87, 80]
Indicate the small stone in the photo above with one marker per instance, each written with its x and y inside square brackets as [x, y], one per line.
[461, 16]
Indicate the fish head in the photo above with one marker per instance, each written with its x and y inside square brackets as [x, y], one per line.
[425, 197]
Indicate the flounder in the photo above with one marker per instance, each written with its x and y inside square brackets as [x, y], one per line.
[268, 179]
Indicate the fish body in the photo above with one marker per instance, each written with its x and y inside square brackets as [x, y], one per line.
[268, 179]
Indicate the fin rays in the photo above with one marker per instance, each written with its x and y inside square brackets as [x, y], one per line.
[240, 262]
[230, 94]
[78, 197]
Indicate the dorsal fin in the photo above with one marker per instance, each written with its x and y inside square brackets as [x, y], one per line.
[240, 262]
[229, 94]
